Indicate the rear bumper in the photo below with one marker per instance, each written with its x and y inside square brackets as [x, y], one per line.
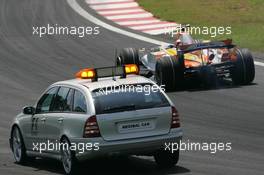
[138, 146]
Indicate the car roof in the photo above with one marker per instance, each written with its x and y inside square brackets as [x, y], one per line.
[106, 82]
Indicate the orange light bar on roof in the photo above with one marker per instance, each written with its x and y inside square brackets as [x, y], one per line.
[102, 72]
[131, 69]
[86, 74]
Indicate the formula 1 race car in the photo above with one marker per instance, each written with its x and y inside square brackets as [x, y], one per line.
[189, 60]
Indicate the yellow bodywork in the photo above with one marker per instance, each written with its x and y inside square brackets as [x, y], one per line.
[193, 59]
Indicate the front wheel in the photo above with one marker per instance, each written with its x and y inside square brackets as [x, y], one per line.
[166, 159]
[18, 146]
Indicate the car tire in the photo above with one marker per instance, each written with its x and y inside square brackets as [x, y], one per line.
[128, 56]
[18, 146]
[208, 76]
[166, 159]
[243, 72]
[170, 72]
[68, 159]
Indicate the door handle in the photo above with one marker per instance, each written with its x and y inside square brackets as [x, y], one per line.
[60, 120]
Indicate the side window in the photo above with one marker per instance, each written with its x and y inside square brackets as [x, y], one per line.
[79, 103]
[46, 100]
[60, 101]
[68, 106]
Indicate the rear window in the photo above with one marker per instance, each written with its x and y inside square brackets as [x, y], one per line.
[119, 99]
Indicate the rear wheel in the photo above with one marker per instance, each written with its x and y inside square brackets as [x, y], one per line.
[128, 56]
[166, 159]
[243, 72]
[68, 158]
[170, 72]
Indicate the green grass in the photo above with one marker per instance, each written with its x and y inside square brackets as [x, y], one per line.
[246, 17]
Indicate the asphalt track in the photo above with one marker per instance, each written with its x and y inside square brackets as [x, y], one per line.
[28, 64]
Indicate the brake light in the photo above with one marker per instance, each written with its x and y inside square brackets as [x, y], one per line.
[91, 128]
[175, 119]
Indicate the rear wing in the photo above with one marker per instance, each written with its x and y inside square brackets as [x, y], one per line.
[208, 45]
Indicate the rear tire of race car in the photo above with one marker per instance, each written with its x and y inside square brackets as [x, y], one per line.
[243, 72]
[166, 159]
[170, 72]
[128, 56]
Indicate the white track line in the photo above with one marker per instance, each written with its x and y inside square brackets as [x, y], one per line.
[138, 16]
[111, 12]
[153, 26]
[259, 63]
[157, 31]
[99, 1]
[113, 6]
[103, 1]
[77, 8]
[124, 23]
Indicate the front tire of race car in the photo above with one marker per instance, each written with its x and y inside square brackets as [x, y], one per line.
[166, 159]
[128, 56]
[170, 72]
[243, 72]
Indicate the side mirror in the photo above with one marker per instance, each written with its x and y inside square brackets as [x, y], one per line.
[29, 110]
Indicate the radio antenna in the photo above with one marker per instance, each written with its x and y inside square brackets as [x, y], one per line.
[114, 70]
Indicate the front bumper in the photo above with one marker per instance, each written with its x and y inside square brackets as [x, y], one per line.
[137, 146]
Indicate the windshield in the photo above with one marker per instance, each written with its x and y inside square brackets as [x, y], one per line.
[109, 100]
